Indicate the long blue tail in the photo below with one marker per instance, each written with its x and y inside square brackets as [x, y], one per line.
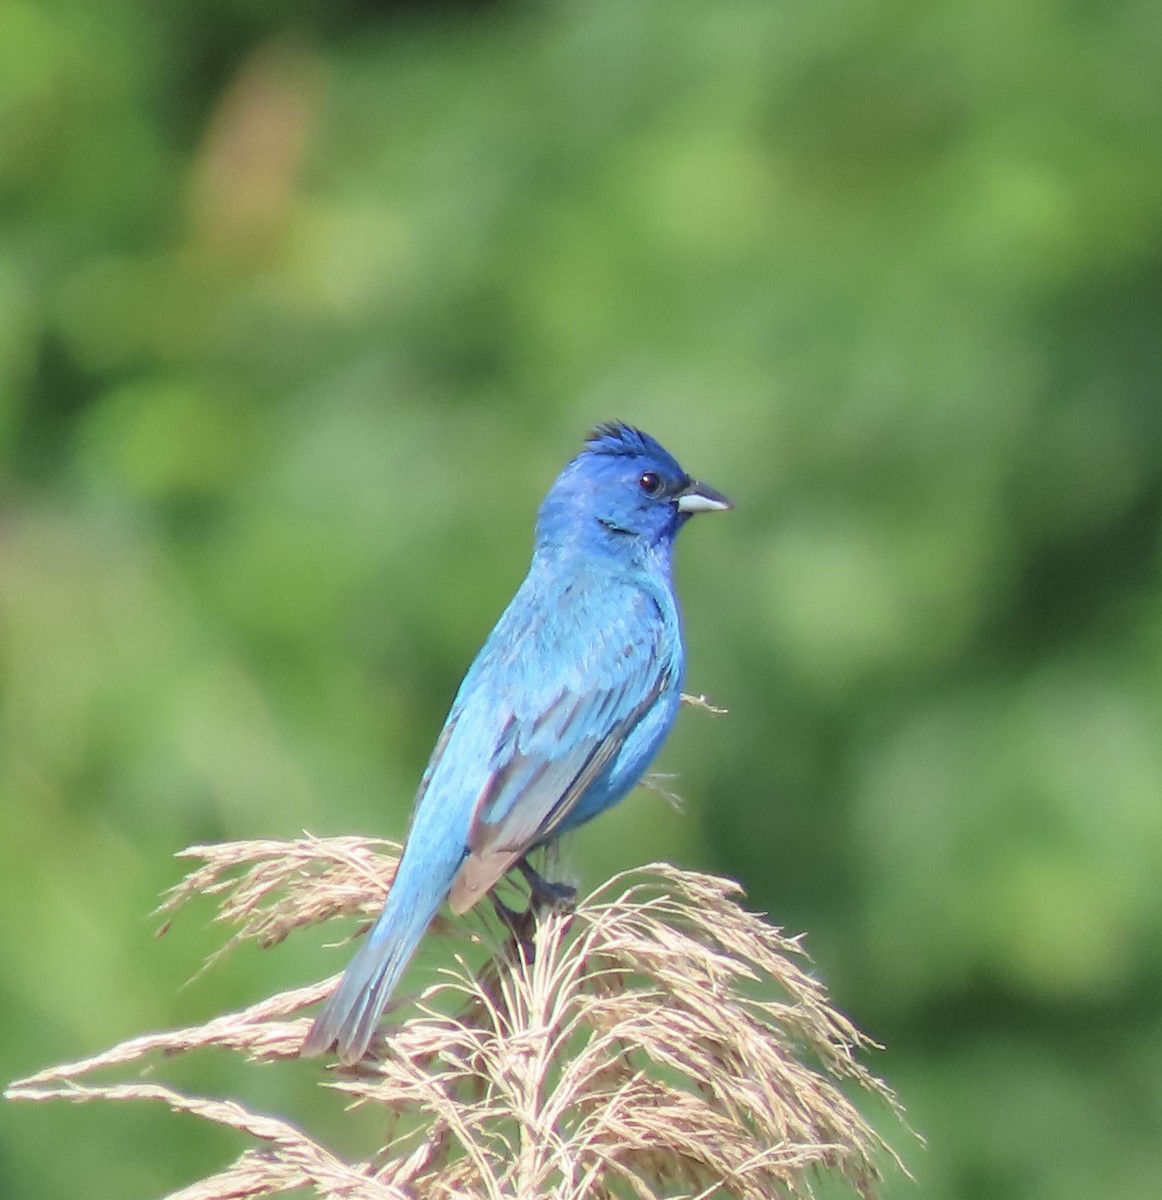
[350, 1015]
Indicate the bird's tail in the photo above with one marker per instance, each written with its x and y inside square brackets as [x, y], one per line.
[354, 1008]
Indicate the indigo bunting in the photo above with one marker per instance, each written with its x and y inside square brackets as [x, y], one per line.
[567, 702]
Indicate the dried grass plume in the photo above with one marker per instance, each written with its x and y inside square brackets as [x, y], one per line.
[659, 1040]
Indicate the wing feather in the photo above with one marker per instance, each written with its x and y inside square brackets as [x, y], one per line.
[553, 758]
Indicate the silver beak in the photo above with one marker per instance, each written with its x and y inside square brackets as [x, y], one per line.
[698, 497]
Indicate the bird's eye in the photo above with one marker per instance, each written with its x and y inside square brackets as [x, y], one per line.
[650, 483]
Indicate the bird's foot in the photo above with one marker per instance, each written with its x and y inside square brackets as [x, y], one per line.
[545, 894]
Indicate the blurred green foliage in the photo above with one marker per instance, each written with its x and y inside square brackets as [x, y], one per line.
[302, 306]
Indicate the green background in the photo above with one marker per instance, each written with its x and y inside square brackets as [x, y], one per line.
[303, 305]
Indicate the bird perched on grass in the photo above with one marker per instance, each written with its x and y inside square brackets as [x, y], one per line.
[565, 706]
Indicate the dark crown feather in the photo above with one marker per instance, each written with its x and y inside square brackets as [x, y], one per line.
[616, 437]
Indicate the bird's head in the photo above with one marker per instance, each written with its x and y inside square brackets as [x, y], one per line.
[623, 490]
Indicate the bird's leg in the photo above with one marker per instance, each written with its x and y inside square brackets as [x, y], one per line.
[542, 893]
[519, 924]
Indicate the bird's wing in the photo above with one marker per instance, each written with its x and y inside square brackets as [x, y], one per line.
[549, 756]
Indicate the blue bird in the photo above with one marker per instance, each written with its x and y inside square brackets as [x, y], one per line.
[565, 706]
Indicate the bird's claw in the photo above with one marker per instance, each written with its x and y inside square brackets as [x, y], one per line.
[545, 894]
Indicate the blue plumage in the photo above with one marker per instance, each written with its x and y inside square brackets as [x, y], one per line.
[566, 704]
